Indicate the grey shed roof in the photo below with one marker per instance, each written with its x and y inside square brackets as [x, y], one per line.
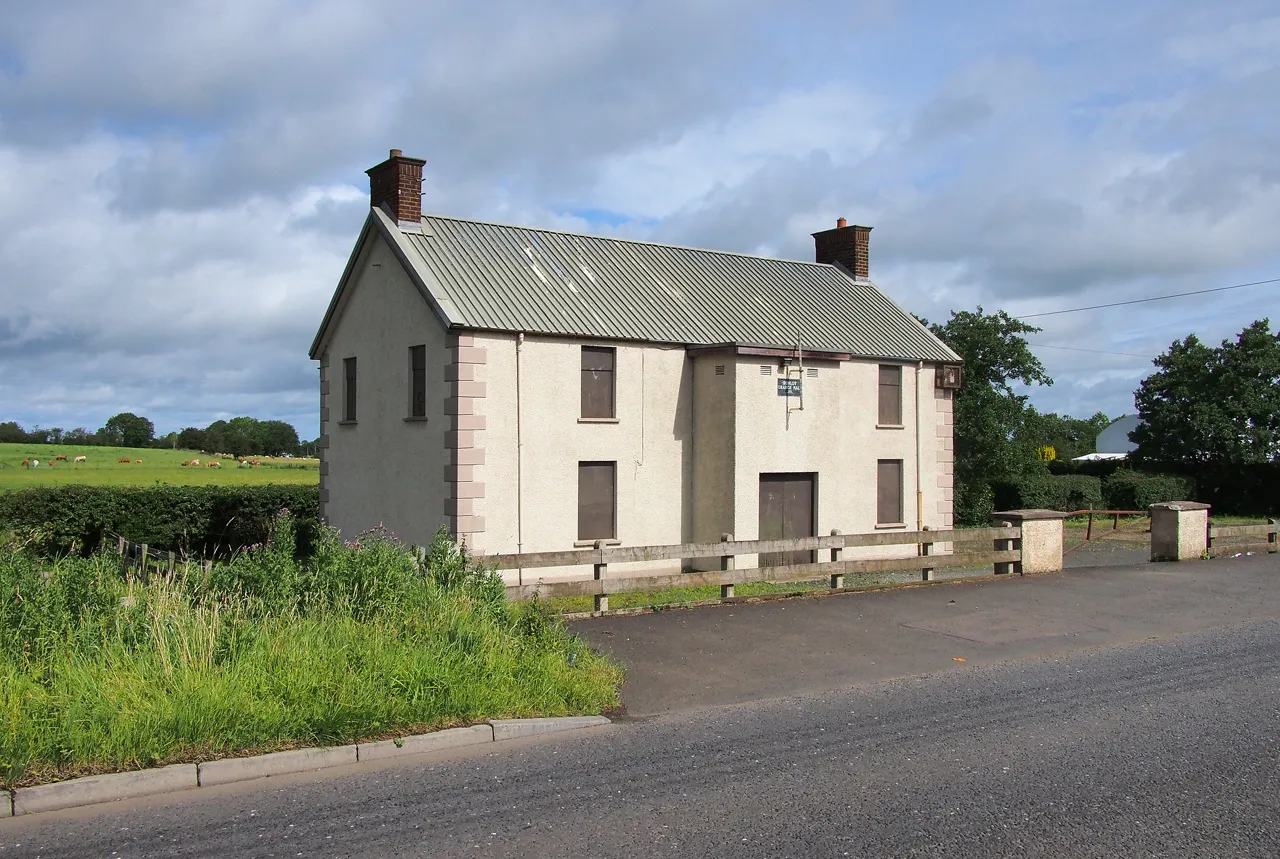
[506, 278]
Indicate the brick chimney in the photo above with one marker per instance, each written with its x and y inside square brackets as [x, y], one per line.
[397, 182]
[846, 245]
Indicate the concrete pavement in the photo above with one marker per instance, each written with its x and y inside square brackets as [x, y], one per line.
[684, 659]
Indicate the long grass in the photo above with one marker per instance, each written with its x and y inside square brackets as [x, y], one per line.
[101, 671]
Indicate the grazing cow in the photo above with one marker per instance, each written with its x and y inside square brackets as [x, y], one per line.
[138, 461]
[35, 463]
[62, 457]
[123, 459]
[26, 463]
[186, 462]
[214, 464]
[81, 459]
[195, 462]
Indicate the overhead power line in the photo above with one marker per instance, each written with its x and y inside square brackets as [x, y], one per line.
[1094, 351]
[1152, 298]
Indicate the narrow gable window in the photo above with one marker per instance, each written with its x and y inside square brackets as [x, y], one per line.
[417, 381]
[597, 382]
[597, 500]
[889, 492]
[890, 395]
[348, 389]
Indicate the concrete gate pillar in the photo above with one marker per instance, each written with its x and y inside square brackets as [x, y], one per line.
[1179, 530]
[1041, 541]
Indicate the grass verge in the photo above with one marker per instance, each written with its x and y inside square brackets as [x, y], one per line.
[101, 672]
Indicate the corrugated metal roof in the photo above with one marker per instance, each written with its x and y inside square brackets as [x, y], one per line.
[507, 278]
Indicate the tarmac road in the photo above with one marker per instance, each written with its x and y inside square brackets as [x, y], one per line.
[1165, 746]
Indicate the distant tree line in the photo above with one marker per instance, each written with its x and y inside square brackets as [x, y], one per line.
[243, 436]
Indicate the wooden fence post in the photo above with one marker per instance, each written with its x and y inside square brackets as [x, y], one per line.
[143, 562]
[602, 600]
[726, 564]
[1272, 546]
[120, 546]
[837, 579]
[926, 549]
[1004, 544]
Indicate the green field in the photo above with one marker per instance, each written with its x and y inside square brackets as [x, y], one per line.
[147, 467]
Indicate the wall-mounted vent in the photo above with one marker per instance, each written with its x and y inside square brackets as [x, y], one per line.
[766, 370]
[719, 369]
[812, 372]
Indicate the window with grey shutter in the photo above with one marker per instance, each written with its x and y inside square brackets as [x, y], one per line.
[418, 381]
[890, 395]
[889, 492]
[348, 389]
[597, 500]
[597, 382]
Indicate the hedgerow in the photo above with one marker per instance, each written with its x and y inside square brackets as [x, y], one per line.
[205, 521]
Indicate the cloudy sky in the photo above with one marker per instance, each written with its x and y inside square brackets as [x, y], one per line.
[181, 182]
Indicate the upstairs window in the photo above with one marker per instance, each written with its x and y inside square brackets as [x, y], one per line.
[417, 381]
[348, 389]
[890, 395]
[597, 382]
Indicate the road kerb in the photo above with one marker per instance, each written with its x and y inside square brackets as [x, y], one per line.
[510, 729]
[277, 763]
[419, 743]
[103, 788]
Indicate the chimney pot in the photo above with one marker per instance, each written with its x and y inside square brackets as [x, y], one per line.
[396, 184]
[841, 223]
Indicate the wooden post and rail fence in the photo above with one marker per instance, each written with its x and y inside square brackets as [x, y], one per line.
[1006, 556]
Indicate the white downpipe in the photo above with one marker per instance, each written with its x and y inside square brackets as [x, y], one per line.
[919, 492]
[519, 465]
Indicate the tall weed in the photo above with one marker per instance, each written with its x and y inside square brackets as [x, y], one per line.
[101, 670]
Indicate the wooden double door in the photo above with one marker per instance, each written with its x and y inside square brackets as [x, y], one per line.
[787, 507]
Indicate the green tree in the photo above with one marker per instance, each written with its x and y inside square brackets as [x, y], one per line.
[990, 441]
[11, 432]
[1069, 437]
[1212, 404]
[276, 438]
[127, 430]
[191, 438]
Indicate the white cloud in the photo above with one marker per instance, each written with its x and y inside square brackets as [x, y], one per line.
[180, 184]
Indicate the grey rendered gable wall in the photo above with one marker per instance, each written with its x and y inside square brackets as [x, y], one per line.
[433, 293]
[385, 468]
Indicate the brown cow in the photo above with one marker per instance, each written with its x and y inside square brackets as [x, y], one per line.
[123, 459]
[62, 457]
